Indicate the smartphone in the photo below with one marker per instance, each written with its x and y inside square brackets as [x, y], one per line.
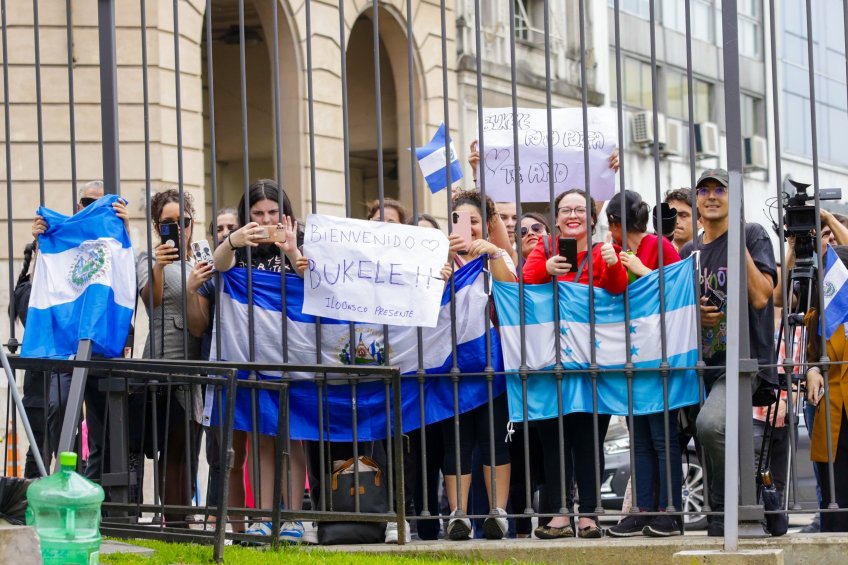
[202, 252]
[170, 232]
[568, 249]
[461, 225]
[272, 234]
[714, 298]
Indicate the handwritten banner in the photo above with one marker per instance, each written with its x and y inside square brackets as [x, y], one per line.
[376, 272]
[535, 168]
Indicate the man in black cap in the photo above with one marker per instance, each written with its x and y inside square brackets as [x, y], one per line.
[712, 199]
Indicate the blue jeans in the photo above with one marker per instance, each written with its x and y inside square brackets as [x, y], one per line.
[650, 454]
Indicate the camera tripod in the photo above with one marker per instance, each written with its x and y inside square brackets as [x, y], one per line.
[801, 286]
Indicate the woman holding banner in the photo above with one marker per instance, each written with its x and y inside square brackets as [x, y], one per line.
[576, 218]
[474, 424]
[649, 444]
[272, 235]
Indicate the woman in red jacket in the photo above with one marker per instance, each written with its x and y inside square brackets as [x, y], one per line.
[649, 444]
[576, 218]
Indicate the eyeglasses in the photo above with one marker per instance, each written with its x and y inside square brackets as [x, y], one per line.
[537, 228]
[718, 191]
[87, 201]
[578, 211]
[186, 221]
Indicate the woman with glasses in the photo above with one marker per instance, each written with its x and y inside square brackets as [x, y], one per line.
[393, 211]
[266, 211]
[649, 444]
[576, 218]
[161, 290]
[533, 227]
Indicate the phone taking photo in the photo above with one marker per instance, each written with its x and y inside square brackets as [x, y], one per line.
[169, 232]
[202, 252]
[272, 234]
[461, 225]
[568, 249]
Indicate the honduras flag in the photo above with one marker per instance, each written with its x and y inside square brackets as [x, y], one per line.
[431, 159]
[84, 284]
[368, 348]
[681, 335]
[835, 292]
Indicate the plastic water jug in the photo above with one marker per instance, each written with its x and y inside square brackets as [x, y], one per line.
[64, 508]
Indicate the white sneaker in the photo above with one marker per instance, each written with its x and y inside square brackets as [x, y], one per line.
[310, 534]
[291, 532]
[392, 532]
[494, 527]
[459, 529]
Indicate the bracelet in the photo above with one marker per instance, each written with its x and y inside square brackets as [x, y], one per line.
[499, 255]
[230, 241]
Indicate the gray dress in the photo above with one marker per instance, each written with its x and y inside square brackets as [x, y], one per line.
[169, 337]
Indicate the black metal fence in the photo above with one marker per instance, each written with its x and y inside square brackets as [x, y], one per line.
[329, 154]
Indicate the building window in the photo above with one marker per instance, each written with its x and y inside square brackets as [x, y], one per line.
[750, 36]
[753, 116]
[636, 83]
[677, 97]
[641, 8]
[829, 60]
[522, 25]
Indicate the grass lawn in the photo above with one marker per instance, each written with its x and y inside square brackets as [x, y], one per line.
[189, 554]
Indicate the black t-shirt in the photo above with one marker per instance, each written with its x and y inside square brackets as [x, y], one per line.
[713, 275]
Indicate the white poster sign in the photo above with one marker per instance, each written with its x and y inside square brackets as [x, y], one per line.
[373, 272]
[535, 168]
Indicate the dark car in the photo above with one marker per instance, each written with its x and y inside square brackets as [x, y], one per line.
[617, 474]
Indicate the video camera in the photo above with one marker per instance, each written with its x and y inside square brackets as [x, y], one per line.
[800, 218]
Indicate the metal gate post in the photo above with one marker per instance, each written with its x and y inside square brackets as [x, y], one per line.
[741, 513]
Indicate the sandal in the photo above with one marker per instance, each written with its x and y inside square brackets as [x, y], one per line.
[548, 532]
[590, 532]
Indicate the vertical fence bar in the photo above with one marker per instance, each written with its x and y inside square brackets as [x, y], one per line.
[628, 366]
[593, 367]
[38, 114]
[69, 27]
[690, 95]
[10, 235]
[108, 97]
[820, 271]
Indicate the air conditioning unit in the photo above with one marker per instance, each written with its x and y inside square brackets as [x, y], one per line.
[675, 138]
[756, 153]
[642, 128]
[706, 140]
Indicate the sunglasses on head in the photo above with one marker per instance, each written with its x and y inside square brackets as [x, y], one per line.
[87, 201]
[186, 221]
[537, 229]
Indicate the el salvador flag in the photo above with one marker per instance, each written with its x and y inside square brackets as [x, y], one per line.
[369, 348]
[84, 284]
[431, 159]
[835, 292]
[575, 342]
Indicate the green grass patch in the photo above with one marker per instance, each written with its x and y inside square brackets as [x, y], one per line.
[191, 554]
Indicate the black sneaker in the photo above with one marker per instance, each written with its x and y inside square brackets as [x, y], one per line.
[662, 526]
[715, 527]
[630, 526]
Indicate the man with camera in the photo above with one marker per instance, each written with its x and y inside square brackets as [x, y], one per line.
[711, 246]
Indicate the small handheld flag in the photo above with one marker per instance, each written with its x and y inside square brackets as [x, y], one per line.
[431, 159]
[835, 285]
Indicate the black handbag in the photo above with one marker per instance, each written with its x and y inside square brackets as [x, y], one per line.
[373, 499]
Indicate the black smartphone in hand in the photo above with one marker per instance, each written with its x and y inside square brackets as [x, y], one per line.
[169, 231]
[568, 249]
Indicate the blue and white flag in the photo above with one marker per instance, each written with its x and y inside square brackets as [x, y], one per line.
[431, 159]
[368, 349]
[576, 345]
[84, 284]
[835, 292]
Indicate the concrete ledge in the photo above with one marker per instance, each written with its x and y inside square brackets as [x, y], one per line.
[798, 549]
[19, 544]
[716, 557]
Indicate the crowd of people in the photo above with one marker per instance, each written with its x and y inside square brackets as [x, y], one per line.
[182, 328]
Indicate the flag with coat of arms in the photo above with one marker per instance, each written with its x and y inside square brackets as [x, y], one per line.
[431, 159]
[835, 285]
[84, 284]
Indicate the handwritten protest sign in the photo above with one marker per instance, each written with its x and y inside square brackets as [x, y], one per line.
[568, 160]
[374, 272]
